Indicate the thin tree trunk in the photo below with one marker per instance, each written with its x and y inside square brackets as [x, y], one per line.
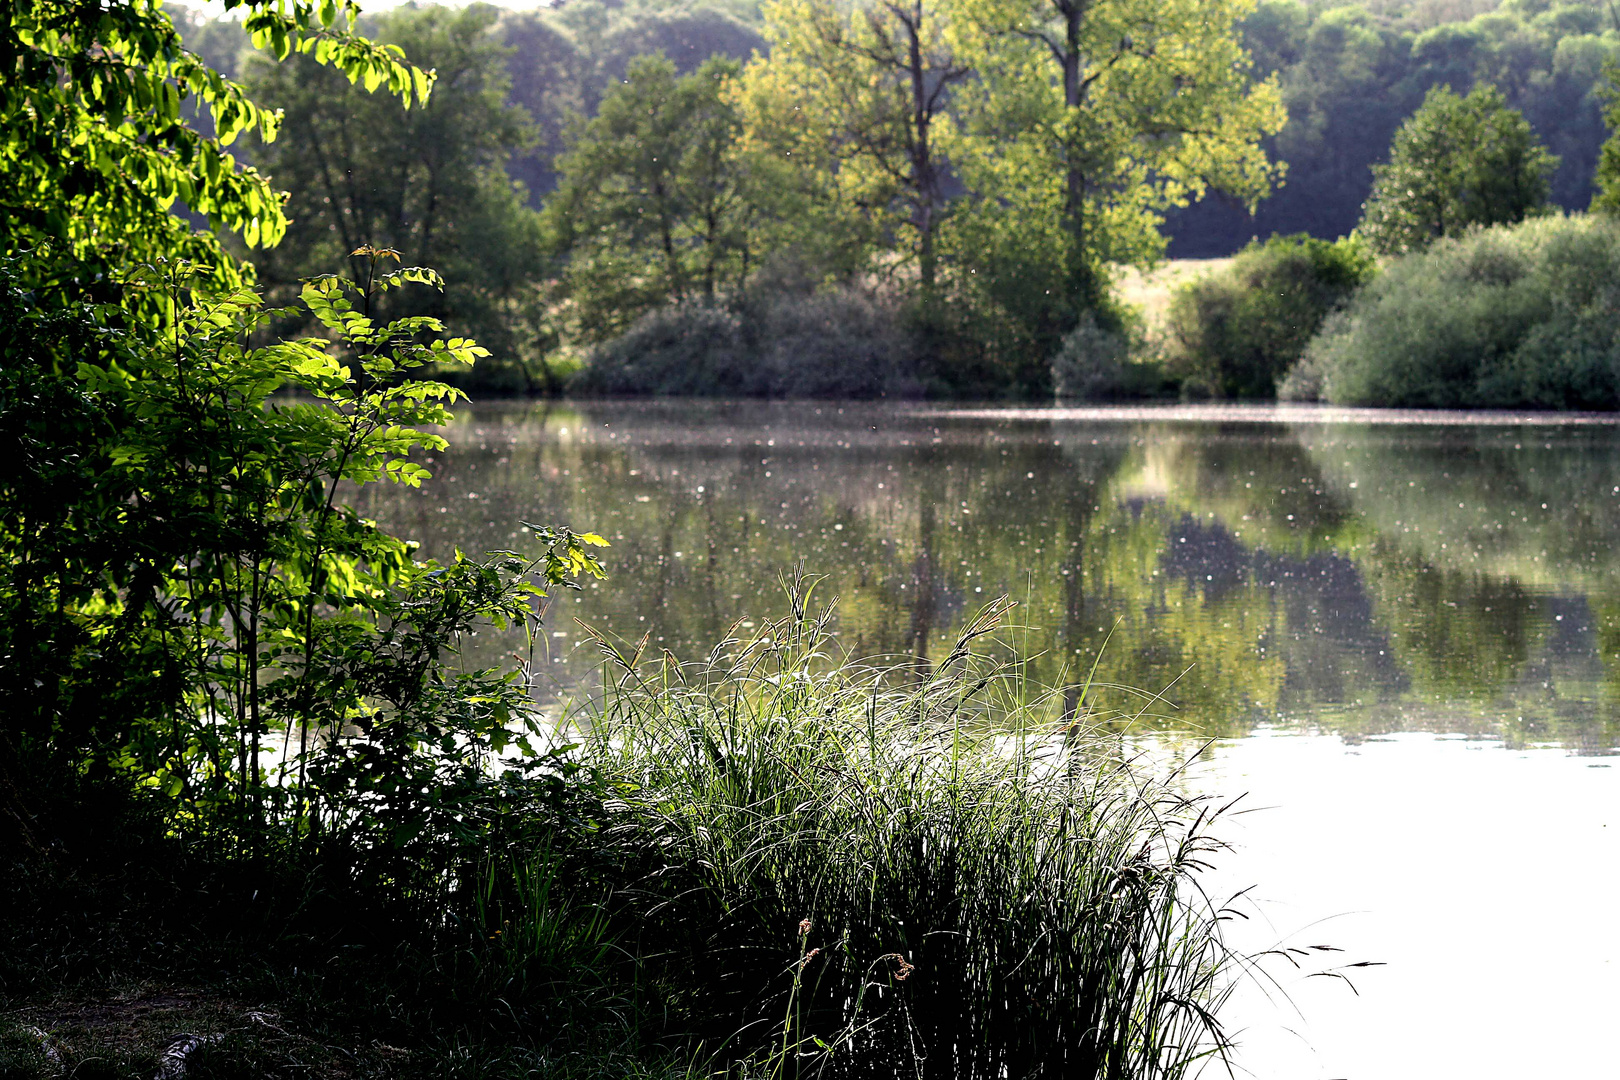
[923, 172]
[1082, 283]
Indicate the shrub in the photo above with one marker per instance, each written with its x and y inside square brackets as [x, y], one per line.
[1095, 363]
[1236, 333]
[1510, 317]
[787, 335]
[835, 344]
[776, 340]
[691, 348]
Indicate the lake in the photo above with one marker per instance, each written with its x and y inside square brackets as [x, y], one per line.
[1402, 632]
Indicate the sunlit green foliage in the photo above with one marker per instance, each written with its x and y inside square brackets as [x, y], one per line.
[1511, 317]
[1458, 163]
[203, 587]
[853, 125]
[1235, 334]
[654, 205]
[862, 93]
[1086, 123]
[95, 148]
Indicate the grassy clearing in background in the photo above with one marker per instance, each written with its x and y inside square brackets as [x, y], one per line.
[1149, 291]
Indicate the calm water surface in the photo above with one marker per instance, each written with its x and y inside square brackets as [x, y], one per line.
[1402, 631]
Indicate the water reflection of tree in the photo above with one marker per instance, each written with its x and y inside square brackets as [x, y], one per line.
[1243, 553]
[1490, 545]
[1536, 505]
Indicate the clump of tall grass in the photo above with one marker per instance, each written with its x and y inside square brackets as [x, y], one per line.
[840, 870]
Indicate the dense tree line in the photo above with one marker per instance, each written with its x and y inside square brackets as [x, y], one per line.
[965, 174]
[980, 162]
[1351, 74]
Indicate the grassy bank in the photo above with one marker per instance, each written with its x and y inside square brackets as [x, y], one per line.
[765, 864]
[259, 812]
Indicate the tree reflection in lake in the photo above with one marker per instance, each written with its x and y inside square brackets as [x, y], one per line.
[1361, 578]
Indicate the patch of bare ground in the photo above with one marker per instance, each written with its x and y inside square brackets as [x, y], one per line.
[175, 1033]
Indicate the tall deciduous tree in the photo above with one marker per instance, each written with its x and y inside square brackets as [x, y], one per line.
[430, 183]
[865, 88]
[1607, 177]
[654, 204]
[1457, 163]
[1092, 117]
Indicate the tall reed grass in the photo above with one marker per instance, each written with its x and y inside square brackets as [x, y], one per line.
[835, 869]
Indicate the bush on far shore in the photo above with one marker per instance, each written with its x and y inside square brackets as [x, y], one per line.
[1236, 333]
[777, 340]
[787, 336]
[1521, 316]
[1095, 363]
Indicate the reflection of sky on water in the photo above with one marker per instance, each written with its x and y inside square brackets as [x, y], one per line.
[1482, 879]
[1317, 586]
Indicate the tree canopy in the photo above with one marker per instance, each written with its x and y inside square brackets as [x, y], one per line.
[1457, 163]
[1004, 151]
[863, 92]
[654, 205]
[96, 146]
[430, 183]
[1607, 177]
[1095, 118]
[1350, 74]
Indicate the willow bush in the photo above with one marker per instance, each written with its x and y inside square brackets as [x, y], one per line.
[842, 342]
[1520, 316]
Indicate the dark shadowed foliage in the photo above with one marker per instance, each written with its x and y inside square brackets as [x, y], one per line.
[1236, 333]
[1351, 74]
[836, 343]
